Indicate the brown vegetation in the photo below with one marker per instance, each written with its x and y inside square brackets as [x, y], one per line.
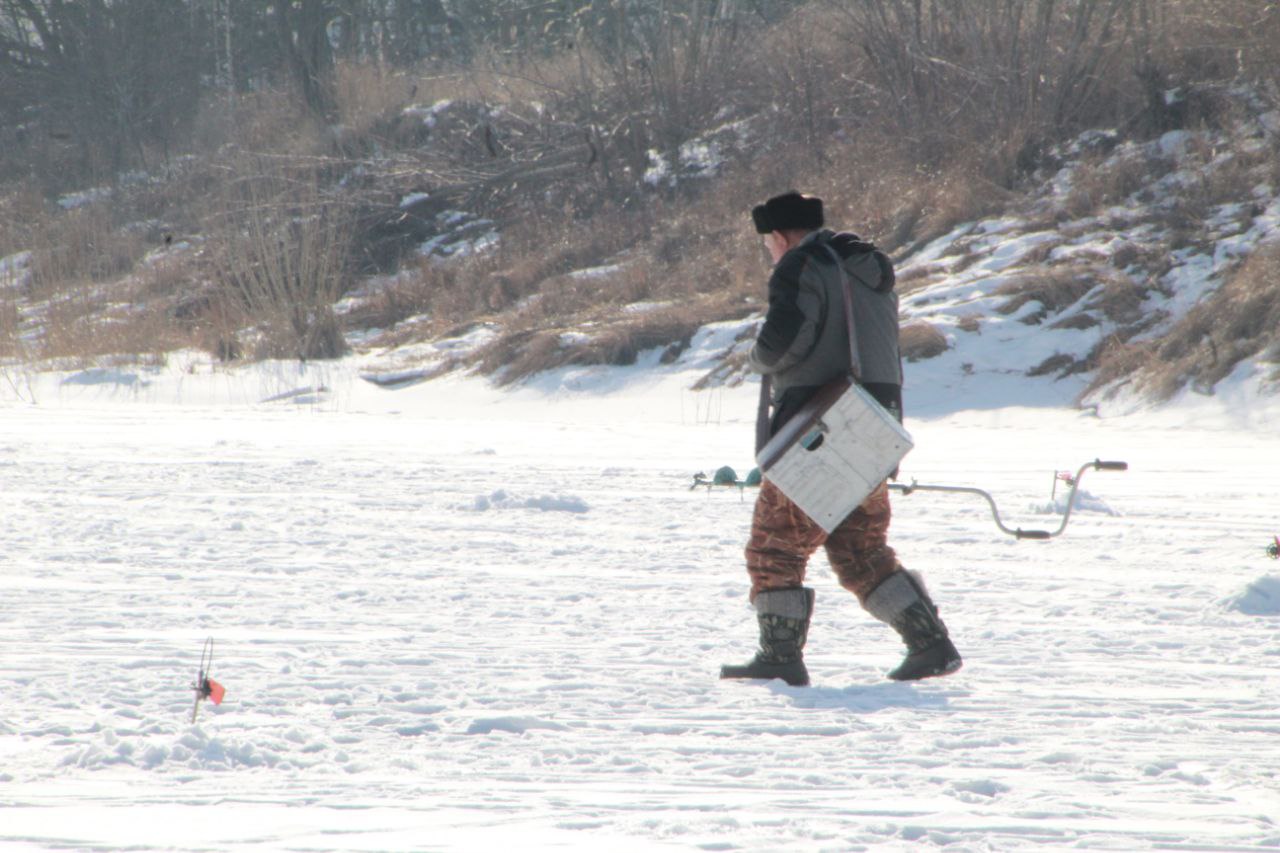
[281, 257]
[909, 117]
[1055, 289]
[920, 341]
[1237, 322]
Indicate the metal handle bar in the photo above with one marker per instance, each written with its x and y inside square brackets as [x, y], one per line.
[1018, 533]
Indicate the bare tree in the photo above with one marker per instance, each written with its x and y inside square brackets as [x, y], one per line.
[302, 30]
[109, 78]
[1004, 69]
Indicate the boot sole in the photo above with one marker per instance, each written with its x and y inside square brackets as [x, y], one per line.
[742, 674]
[936, 672]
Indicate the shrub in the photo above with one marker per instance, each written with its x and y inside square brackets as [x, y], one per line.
[921, 341]
[281, 255]
[1055, 289]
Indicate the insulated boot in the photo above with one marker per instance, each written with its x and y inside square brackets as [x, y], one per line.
[784, 616]
[902, 602]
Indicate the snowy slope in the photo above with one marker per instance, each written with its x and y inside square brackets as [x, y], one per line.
[984, 284]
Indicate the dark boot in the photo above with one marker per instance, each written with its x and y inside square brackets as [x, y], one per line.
[901, 601]
[784, 616]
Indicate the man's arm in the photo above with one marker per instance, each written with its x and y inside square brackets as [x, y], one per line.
[791, 323]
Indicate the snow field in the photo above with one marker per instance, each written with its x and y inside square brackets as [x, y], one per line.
[445, 633]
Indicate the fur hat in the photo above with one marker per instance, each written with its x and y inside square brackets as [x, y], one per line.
[790, 211]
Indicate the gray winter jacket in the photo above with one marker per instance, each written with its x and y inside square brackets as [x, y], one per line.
[804, 343]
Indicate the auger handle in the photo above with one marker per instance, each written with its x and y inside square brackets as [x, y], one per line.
[1019, 533]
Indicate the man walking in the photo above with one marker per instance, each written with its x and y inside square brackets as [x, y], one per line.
[802, 345]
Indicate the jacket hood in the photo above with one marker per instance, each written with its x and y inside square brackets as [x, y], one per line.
[864, 263]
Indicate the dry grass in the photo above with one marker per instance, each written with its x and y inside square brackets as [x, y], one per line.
[83, 324]
[689, 286]
[367, 93]
[1106, 178]
[1213, 40]
[616, 341]
[1078, 321]
[1115, 358]
[10, 326]
[1121, 298]
[22, 210]
[699, 257]
[81, 334]
[87, 295]
[1059, 363]
[399, 299]
[921, 341]
[268, 120]
[1239, 321]
[1219, 177]
[81, 246]
[1055, 289]
[881, 192]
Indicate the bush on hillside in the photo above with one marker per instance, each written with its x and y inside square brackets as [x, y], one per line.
[280, 249]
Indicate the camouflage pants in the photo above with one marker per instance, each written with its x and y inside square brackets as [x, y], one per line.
[783, 538]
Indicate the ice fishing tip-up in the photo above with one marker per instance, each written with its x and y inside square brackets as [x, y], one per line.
[204, 686]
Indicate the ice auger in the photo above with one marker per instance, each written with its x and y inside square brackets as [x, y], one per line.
[1018, 532]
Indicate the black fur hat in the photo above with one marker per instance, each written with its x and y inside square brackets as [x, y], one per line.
[787, 212]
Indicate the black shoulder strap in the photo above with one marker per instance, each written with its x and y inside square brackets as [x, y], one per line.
[762, 412]
[855, 364]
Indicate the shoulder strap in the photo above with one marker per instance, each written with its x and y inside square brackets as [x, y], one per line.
[762, 412]
[855, 365]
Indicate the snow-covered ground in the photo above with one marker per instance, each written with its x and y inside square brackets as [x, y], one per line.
[452, 618]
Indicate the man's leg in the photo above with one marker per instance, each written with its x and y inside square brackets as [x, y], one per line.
[861, 557]
[782, 538]
[858, 549]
